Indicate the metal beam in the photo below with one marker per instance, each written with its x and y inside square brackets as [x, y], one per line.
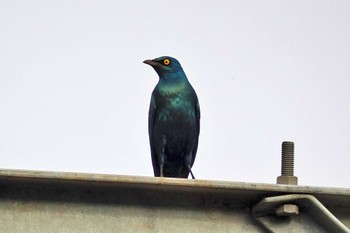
[50, 202]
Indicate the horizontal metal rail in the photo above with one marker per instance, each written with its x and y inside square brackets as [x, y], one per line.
[50, 202]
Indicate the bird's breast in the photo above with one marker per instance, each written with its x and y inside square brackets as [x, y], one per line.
[180, 104]
[175, 102]
[176, 109]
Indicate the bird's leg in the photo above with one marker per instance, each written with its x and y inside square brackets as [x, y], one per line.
[161, 160]
[188, 160]
[161, 170]
[190, 170]
[162, 157]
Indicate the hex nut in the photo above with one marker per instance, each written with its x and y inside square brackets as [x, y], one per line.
[287, 210]
[293, 180]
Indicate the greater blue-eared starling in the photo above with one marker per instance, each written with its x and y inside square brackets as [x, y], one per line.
[173, 120]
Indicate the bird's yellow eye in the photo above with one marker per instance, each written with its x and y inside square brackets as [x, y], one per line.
[166, 62]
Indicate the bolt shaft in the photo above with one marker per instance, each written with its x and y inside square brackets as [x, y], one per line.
[287, 158]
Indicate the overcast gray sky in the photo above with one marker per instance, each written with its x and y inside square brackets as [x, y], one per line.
[74, 93]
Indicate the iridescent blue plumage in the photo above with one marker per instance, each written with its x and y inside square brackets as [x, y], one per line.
[173, 120]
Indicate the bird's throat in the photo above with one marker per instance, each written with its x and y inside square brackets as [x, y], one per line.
[169, 88]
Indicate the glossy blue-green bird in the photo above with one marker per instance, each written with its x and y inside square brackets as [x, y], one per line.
[173, 120]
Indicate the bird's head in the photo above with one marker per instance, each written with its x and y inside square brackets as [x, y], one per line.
[166, 67]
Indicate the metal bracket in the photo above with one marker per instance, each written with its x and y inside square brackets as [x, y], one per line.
[296, 213]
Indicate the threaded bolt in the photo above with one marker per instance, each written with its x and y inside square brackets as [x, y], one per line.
[287, 173]
[287, 158]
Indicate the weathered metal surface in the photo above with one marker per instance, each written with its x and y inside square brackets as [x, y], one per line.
[50, 202]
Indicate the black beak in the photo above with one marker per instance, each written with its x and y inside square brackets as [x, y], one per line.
[150, 62]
